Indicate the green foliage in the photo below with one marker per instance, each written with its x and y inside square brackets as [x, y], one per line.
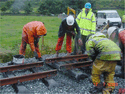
[6, 57]
[6, 6]
[28, 8]
[3, 8]
[14, 10]
[51, 7]
[48, 7]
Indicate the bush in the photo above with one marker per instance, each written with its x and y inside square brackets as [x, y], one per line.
[7, 6]
[28, 8]
[14, 10]
[3, 8]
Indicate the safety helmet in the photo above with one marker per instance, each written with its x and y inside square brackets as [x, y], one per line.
[70, 20]
[88, 5]
[111, 30]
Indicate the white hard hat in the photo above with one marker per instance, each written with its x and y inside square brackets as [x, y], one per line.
[111, 30]
[70, 20]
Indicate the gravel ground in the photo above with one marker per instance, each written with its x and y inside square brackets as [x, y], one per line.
[66, 84]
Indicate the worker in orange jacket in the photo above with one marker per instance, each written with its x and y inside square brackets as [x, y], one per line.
[32, 31]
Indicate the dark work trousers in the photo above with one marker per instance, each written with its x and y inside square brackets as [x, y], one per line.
[123, 24]
[77, 47]
[83, 47]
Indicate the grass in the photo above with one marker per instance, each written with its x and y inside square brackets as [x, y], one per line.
[11, 33]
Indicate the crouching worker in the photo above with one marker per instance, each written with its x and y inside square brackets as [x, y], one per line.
[32, 31]
[105, 54]
[118, 36]
[67, 26]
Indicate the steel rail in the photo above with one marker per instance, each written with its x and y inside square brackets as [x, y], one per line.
[21, 66]
[66, 58]
[76, 65]
[33, 76]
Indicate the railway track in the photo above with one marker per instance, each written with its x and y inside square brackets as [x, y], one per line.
[73, 66]
[68, 63]
[11, 79]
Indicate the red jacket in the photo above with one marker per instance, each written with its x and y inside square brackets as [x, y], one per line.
[122, 40]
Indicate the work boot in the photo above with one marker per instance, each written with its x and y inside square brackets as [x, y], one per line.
[40, 59]
[57, 53]
[107, 91]
[97, 89]
[68, 54]
[72, 53]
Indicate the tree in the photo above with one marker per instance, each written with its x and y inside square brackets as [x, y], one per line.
[3, 8]
[14, 10]
[51, 6]
[28, 8]
[6, 6]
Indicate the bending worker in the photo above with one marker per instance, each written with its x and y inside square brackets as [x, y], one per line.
[32, 31]
[67, 26]
[118, 36]
[87, 23]
[105, 54]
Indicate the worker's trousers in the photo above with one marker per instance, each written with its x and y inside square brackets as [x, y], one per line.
[77, 47]
[23, 48]
[123, 24]
[108, 69]
[68, 43]
[83, 47]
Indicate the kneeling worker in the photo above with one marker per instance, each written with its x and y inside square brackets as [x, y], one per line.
[105, 54]
[32, 31]
[118, 36]
[68, 26]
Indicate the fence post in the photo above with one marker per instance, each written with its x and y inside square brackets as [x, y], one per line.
[42, 43]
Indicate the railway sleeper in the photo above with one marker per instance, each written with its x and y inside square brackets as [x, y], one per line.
[49, 82]
[71, 67]
[77, 74]
[18, 88]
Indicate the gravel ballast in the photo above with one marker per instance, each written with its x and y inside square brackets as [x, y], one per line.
[66, 84]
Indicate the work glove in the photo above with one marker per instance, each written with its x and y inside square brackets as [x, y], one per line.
[35, 54]
[80, 42]
[73, 34]
[45, 34]
[36, 40]
[40, 59]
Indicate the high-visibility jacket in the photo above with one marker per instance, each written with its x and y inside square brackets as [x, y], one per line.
[31, 31]
[102, 48]
[87, 23]
[123, 18]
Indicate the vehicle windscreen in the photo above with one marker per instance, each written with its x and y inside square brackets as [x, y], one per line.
[100, 15]
[112, 15]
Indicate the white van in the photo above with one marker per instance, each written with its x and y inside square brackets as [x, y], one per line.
[111, 16]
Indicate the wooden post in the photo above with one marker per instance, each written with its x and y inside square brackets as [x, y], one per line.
[105, 27]
[42, 42]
